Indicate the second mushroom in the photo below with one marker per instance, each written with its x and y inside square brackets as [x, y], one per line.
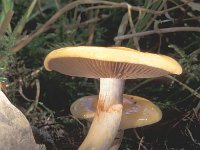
[137, 112]
[113, 65]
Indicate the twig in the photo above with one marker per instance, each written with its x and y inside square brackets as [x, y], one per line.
[136, 134]
[50, 124]
[176, 7]
[140, 84]
[6, 22]
[185, 86]
[122, 28]
[47, 109]
[37, 83]
[141, 144]
[153, 18]
[78, 121]
[57, 3]
[135, 39]
[166, 30]
[193, 17]
[196, 112]
[31, 75]
[92, 28]
[191, 136]
[167, 15]
[22, 94]
[108, 4]
[193, 5]
[40, 9]
[35, 73]
[196, 109]
[36, 101]
[99, 7]
[48, 118]
[90, 21]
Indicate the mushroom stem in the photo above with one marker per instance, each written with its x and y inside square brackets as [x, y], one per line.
[107, 119]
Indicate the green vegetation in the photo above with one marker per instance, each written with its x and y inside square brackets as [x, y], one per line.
[29, 30]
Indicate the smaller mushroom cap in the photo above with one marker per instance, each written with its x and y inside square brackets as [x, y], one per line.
[137, 111]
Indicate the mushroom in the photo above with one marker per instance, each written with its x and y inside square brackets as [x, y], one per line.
[112, 65]
[137, 112]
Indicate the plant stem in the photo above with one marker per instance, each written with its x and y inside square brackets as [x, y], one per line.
[107, 119]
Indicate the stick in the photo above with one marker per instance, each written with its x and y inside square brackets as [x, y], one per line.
[166, 30]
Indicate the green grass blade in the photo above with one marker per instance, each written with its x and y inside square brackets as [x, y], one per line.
[20, 26]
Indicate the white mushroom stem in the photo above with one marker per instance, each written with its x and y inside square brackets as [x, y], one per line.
[107, 119]
[118, 139]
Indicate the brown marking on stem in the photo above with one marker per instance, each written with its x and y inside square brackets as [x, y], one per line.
[107, 108]
[101, 106]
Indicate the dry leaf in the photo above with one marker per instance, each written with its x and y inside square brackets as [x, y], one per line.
[193, 5]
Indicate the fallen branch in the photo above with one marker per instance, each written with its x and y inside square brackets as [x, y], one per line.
[159, 31]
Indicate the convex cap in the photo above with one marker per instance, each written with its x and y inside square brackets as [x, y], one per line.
[137, 111]
[110, 62]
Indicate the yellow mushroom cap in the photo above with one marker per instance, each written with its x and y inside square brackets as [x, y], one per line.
[110, 62]
[137, 111]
